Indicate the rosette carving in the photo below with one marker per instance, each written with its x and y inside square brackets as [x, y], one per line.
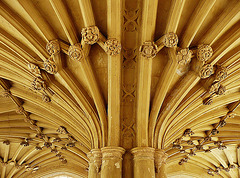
[204, 52]
[75, 52]
[148, 49]
[38, 84]
[170, 40]
[53, 47]
[34, 69]
[184, 56]
[50, 66]
[90, 35]
[221, 74]
[112, 47]
[206, 71]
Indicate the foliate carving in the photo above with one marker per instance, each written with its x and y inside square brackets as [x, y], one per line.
[112, 47]
[63, 160]
[38, 148]
[231, 114]
[34, 69]
[184, 56]
[214, 131]
[192, 153]
[50, 66]
[222, 123]
[170, 40]
[148, 49]
[221, 73]
[38, 84]
[206, 71]
[90, 35]
[48, 144]
[221, 90]
[204, 52]
[62, 130]
[53, 47]
[75, 52]
[184, 160]
[214, 87]
[46, 98]
[24, 143]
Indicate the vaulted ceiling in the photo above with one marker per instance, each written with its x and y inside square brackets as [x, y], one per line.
[173, 86]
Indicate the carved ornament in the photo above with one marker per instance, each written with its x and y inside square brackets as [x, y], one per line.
[90, 35]
[53, 47]
[95, 157]
[221, 73]
[34, 69]
[143, 153]
[62, 130]
[112, 47]
[188, 132]
[46, 98]
[214, 87]
[20, 110]
[184, 56]
[206, 71]
[75, 52]
[221, 90]
[50, 66]
[38, 84]
[170, 40]
[204, 52]
[148, 49]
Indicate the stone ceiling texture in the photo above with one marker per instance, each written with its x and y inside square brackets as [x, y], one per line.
[77, 75]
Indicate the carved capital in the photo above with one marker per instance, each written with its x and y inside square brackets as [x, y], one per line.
[208, 101]
[184, 56]
[50, 66]
[221, 73]
[90, 35]
[206, 71]
[95, 157]
[53, 47]
[112, 152]
[75, 52]
[170, 40]
[204, 52]
[38, 84]
[143, 153]
[148, 49]
[112, 47]
[34, 69]
[160, 158]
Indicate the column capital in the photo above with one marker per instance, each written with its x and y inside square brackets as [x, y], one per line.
[160, 158]
[95, 158]
[112, 152]
[143, 153]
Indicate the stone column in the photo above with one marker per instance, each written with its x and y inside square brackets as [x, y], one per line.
[112, 162]
[143, 158]
[160, 161]
[95, 161]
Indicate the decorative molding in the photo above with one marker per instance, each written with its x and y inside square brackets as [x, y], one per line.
[143, 153]
[53, 47]
[184, 56]
[75, 52]
[148, 49]
[112, 152]
[95, 158]
[112, 47]
[204, 52]
[34, 69]
[62, 130]
[170, 40]
[221, 73]
[206, 71]
[38, 84]
[90, 35]
[50, 66]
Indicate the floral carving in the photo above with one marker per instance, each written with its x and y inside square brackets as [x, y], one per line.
[75, 52]
[50, 66]
[34, 69]
[53, 47]
[24, 143]
[204, 52]
[47, 144]
[90, 35]
[148, 49]
[113, 47]
[206, 71]
[221, 90]
[188, 132]
[184, 56]
[170, 40]
[221, 73]
[38, 84]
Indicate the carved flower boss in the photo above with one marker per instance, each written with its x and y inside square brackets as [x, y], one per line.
[184, 56]
[50, 66]
[204, 52]
[170, 40]
[112, 47]
[90, 35]
[148, 49]
[206, 71]
[53, 47]
[75, 52]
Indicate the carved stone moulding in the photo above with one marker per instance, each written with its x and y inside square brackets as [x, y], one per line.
[170, 40]
[50, 66]
[95, 157]
[112, 47]
[160, 158]
[53, 47]
[184, 56]
[206, 71]
[112, 152]
[214, 87]
[148, 49]
[90, 35]
[221, 73]
[34, 69]
[221, 90]
[38, 84]
[75, 52]
[204, 52]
